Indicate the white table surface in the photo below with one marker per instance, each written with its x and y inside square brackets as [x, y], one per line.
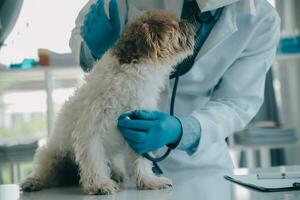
[196, 184]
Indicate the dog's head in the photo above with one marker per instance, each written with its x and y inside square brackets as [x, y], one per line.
[157, 37]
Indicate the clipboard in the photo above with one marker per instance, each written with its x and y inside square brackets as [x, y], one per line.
[265, 185]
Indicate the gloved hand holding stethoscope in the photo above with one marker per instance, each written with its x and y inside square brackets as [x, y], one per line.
[147, 131]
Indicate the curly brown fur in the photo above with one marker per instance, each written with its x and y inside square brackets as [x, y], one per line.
[156, 35]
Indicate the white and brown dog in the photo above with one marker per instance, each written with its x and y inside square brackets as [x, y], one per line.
[131, 75]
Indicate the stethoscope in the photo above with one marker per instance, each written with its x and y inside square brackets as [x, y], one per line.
[205, 18]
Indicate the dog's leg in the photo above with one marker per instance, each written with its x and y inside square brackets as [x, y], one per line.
[118, 173]
[46, 162]
[144, 177]
[93, 165]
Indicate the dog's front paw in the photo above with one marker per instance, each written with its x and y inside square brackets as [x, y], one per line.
[32, 184]
[105, 188]
[153, 183]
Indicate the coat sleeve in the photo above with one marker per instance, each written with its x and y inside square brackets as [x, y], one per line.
[240, 92]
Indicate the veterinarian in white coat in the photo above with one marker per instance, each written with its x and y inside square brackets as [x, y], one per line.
[224, 89]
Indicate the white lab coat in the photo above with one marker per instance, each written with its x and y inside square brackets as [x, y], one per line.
[224, 89]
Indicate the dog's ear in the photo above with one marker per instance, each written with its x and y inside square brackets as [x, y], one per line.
[147, 38]
[159, 35]
[136, 43]
[148, 42]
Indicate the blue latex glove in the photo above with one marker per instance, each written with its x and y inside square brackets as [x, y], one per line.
[147, 131]
[98, 31]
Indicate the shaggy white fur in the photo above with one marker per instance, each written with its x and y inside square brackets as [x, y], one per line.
[86, 134]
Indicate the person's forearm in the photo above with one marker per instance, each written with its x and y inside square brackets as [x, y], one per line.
[86, 58]
[191, 134]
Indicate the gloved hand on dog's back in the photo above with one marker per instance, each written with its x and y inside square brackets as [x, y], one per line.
[146, 131]
[98, 31]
